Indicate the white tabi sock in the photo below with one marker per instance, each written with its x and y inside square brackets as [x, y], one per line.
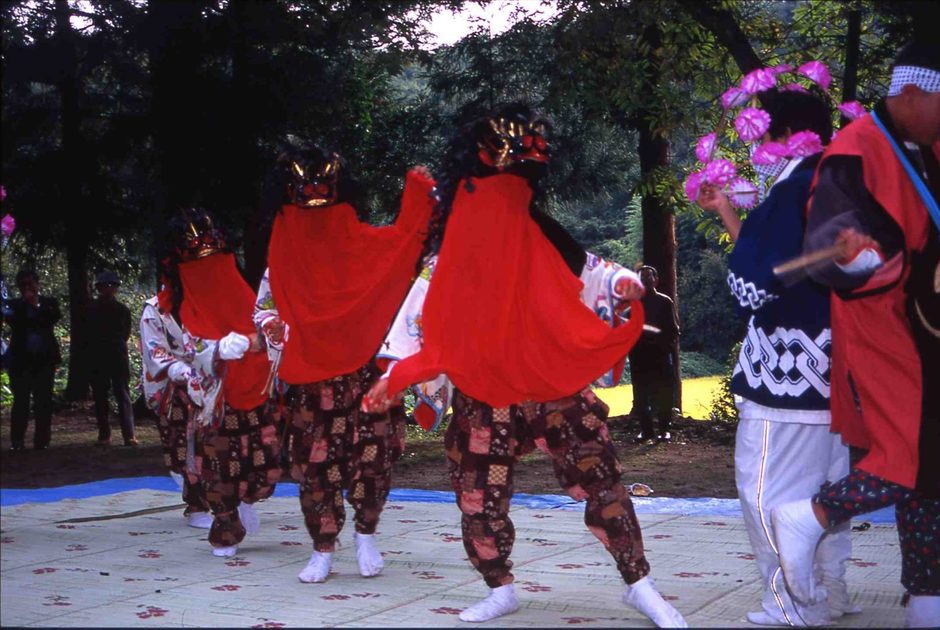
[318, 569]
[644, 597]
[838, 599]
[797, 533]
[923, 611]
[225, 552]
[199, 520]
[177, 478]
[369, 557]
[249, 518]
[501, 601]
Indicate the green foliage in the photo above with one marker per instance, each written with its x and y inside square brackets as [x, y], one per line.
[723, 408]
[697, 365]
[184, 102]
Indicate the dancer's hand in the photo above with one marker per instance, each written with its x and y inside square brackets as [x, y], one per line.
[853, 243]
[711, 199]
[423, 171]
[274, 329]
[628, 289]
[378, 400]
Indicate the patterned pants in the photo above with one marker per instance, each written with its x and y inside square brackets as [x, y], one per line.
[172, 426]
[918, 522]
[483, 445]
[238, 460]
[336, 446]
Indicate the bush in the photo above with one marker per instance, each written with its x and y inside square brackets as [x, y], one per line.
[697, 364]
[723, 408]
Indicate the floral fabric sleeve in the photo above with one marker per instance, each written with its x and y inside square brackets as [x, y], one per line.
[600, 278]
[159, 349]
[404, 339]
[205, 382]
[265, 310]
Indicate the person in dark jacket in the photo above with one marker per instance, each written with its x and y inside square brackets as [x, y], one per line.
[31, 359]
[108, 326]
[651, 361]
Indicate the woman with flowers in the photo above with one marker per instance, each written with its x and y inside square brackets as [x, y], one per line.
[781, 380]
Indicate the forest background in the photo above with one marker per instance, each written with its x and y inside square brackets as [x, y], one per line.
[117, 112]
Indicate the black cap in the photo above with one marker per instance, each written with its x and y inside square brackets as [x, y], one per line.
[919, 53]
[107, 277]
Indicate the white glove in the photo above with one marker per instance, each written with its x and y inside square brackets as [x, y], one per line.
[179, 372]
[233, 346]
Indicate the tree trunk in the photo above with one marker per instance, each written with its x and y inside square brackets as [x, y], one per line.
[77, 242]
[850, 77]
[725, 28]
[659, 223]
[246, 122]
[178, 107]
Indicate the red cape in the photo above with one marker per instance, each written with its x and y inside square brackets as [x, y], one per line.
[217, 301]
[338, 282]
[503, 316]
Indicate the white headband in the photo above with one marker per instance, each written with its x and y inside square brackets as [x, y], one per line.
[926, 79]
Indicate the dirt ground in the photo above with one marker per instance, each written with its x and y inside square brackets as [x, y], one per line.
[698, 463]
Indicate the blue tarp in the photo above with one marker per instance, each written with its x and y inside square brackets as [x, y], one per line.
[702, 506]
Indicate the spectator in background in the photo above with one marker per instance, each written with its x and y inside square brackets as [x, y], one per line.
[108, 326]
[651, 362]
[31, 359]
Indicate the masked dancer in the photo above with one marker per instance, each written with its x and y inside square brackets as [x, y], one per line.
[504, 320]
[332, 287]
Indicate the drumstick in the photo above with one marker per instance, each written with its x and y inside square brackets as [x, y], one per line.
[269, 384]
[801, 263]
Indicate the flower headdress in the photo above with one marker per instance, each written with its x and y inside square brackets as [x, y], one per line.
[740, 104]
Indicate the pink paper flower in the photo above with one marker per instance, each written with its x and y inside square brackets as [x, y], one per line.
[742, 193]
[781, 68]
[758, 81]
[794, 87]
[752, 123]
[720, 172]
[7, 225]
[818, 72]
[705, 147]
[852, 110]
[734, 97]
[804, 143]
[693, 183]
[769, 153]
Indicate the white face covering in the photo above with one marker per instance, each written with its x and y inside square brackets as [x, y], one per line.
[771, 171]
[767, 173]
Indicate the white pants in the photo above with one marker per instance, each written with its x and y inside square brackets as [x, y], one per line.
[777, 462]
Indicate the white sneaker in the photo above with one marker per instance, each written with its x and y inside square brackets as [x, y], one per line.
[368, 556]
[249, 518]
[923, 611]
[501, 601]
[797, 533]
[643, 596]
[225, 552]
[199, 520]
[317, 569]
